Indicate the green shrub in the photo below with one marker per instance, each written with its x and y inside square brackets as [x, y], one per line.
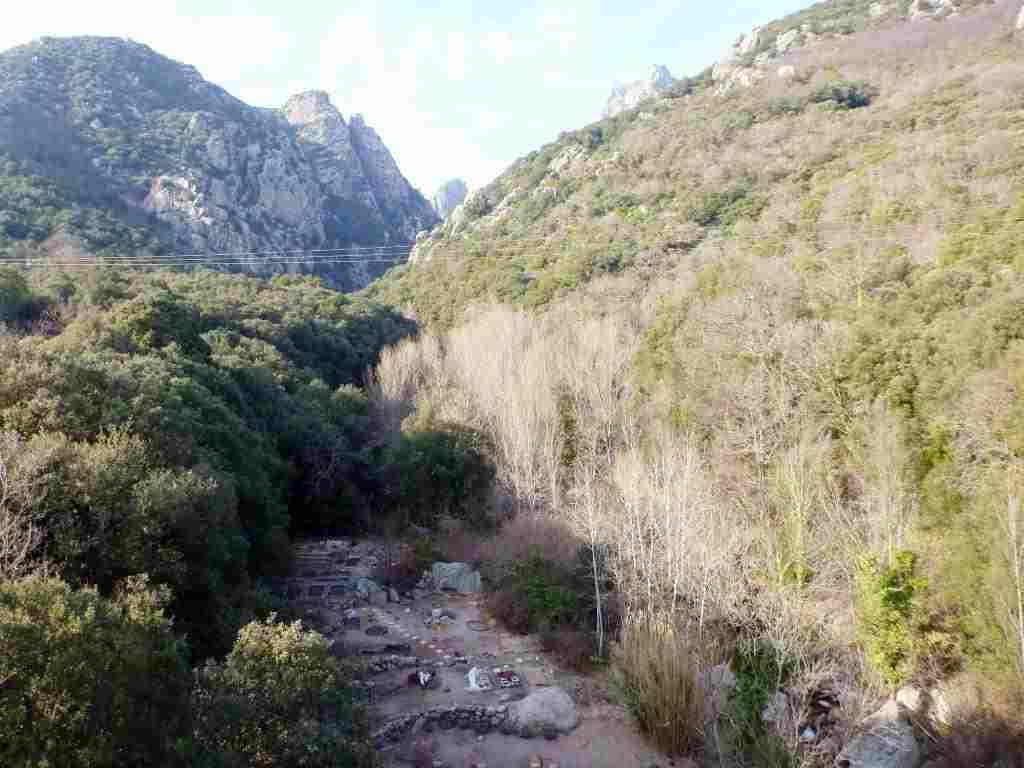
[435, 473]
[844, 94]
[886, 597]
[278, 699]
[88, 681]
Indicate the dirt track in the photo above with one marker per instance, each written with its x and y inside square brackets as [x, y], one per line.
[449, 646]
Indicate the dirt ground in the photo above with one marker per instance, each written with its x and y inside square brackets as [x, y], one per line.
[605, 738]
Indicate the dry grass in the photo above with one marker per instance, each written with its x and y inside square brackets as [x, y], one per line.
[661, 675]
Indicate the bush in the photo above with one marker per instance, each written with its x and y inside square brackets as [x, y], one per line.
[662, 684]
[759, 674]
[86, 681]
[844, 94]
[278, 699]
[886, 596]
[435, 473]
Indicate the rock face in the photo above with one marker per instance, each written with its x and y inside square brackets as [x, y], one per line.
[449, 196]
[886, 741]
[631, 94]
[541, 712]
[459, 577]
[136, 153]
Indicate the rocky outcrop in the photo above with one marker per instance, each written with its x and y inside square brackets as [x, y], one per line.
[458, 577]
[408, 212]
[449, 196]
[630, 95]
[545, 711]
[885, 741]
[114, 130]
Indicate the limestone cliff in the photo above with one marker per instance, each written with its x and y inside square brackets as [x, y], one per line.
[449, 196]
[111, 148]
[632, 94]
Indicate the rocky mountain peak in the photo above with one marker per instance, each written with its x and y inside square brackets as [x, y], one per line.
[449, 196]
[629, 95]
[133, 152]
[308, 106]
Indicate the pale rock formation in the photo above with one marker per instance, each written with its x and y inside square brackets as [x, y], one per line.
[215, 174]
[628, 96]
[449, 196]
[886, 740]
[548, 708]
[787, 40]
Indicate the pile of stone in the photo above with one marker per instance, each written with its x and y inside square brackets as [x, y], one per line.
[546, 713]
[482, 720]
[394, 661]
[439, 618]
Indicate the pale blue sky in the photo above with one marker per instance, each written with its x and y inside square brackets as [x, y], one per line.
[455, 88]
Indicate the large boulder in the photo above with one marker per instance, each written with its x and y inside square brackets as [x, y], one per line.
[885, 741]
[459, 577]
[371, 592]
[546, 710]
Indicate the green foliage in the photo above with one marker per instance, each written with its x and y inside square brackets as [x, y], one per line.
[760, 673]
[539, 595]
[843, 94]
[437, 472]
[886, 599]
[278, 699]
[89, 682]
[186, 423]
[15, 297]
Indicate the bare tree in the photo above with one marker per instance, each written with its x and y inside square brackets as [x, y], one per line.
[22, 488]
[1011, 528]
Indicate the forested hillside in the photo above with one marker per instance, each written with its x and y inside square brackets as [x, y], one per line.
[759, 353]
[162, 438]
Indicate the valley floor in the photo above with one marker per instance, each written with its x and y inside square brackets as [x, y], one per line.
[606, 737]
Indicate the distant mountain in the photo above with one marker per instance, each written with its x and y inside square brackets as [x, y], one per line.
[630, 95]
[449, 196]
[107, 147]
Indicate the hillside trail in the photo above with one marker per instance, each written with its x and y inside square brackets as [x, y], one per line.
[446, 634]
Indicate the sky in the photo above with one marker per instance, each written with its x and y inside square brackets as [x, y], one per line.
[455, 88]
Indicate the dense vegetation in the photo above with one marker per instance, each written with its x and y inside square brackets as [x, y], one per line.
[763, 365]
[179, 430]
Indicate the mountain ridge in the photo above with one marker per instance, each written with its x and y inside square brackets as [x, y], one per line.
[106, 146]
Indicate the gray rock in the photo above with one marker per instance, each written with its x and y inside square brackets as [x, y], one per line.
[628, 96]
[231, 177]
[550, 708]
[787, 40]
[393, 595]
[449, 196]
[459, 577]
[371, 591]
[885, 741]
[776, 709]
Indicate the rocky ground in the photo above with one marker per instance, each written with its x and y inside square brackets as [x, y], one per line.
[416, 651]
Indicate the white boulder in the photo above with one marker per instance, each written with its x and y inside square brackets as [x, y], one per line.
[546, 709]
[886, 741]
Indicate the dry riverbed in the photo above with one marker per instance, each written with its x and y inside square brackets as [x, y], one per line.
[445, 635]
